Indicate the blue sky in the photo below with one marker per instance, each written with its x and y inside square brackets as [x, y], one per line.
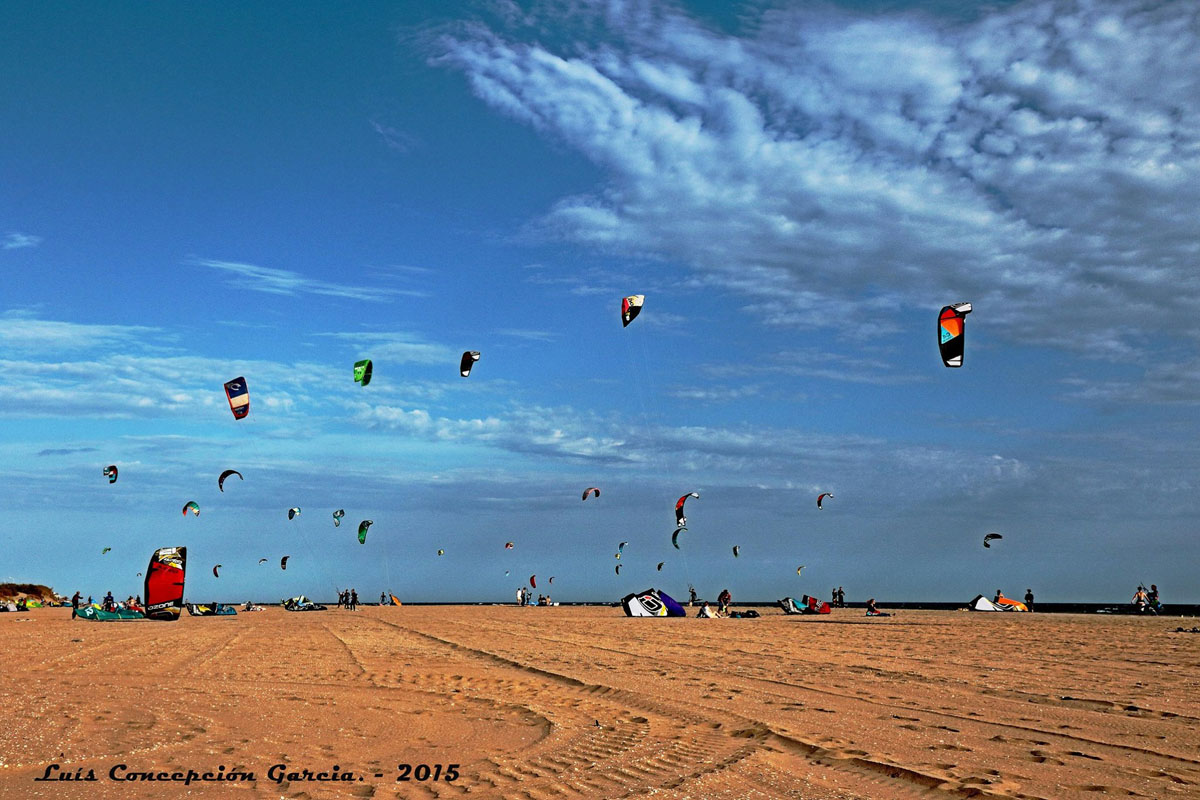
[192, 194]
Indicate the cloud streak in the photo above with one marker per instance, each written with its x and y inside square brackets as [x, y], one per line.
[287, 282]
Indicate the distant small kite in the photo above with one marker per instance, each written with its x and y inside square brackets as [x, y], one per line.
[362, 372]
[631, 306]
[736, 550]
[191, 506]
[799, 568]
[987, 540]
[215, 568]
[105, 550]
[362, 530]
[468, 360]
[110, 472]
[952, 333]
[822, 496]
[283, 562]
[293, 512]
[508, 545]
[337, 517]
[592, 490]
[660, 565]
[226, 474]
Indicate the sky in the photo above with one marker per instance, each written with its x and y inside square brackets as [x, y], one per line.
[190, 194]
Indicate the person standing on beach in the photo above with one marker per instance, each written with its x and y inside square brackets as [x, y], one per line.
[1029, 599]
[382, 599]
[353, 599]
[841, 598]
[75, 605]
[724, 600]
[833, 598]
[1152, 597]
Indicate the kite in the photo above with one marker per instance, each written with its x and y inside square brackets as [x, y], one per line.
[215, 568]
[505, 572]
[618, 569]
[736, 549]
[337, 517]
[441, 552]
[631, 306]
[239, 397]
[508, 545]
[262, 561]
[680, 519]
[552, 579]
[952, 333]
[139, 574]
[283, 562]
[987, 540]
[190, 505]
[592, 490]
[660, 565]
[163, 587]
[799, 568]
[226, 474]
[617, 555]
[821, 497]
[110, 472]
[533, 581]
[362, 372]
[675, 537]
[293, 512]
[468, 360]
[362, 530]
[105, 550]
[621, 547]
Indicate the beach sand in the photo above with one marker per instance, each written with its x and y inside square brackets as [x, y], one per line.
[584, 702]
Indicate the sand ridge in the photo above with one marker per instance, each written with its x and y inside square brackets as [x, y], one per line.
[583, 702]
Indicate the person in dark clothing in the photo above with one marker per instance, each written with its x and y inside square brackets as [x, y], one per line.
[1029, 599]
[724, 600]
[841, 598]
[75, 605]
[833, 598]
[353, 599]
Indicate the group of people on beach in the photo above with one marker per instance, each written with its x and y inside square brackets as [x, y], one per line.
[107, 604]
[525, 598]
[837, 598]
[348, 599]
[1146, 600]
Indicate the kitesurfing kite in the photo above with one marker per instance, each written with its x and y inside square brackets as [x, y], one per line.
[821, 497]
[736, 550]
[105, 550]
[621, 547]
[660, 565]
[631, 306]
[110, 472]
[617, 555]
[799, 568]
[441, 552]
[283, 562]
[987, 540]
[952, 333]
[675, 537]
[680, 519]
[239, 397]
[226, 474]
[592, 490]
[508, 545]
[618, 569]
[163, 589]
[262, 561]
[533, 581]
[215, 568]
[468, 360]
[362, 372]
[362, 530]
[337, 517]
[552, 579]
[190, 505]
[293, 512]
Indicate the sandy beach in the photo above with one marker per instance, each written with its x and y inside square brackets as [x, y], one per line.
[583, 702]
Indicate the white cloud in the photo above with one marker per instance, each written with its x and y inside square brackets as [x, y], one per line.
[18, 241]
[1016, 161]
[287, 282]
